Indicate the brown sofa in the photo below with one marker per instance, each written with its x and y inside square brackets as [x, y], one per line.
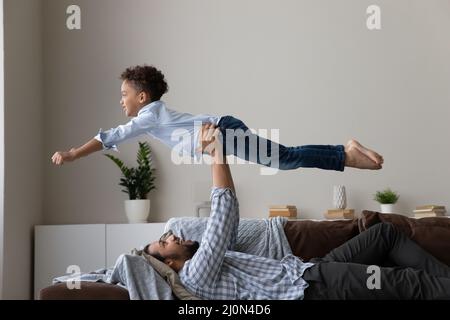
[308, 239]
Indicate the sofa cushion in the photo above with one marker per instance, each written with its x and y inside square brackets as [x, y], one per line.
[314, 239]
[88, 291]
[432, 233]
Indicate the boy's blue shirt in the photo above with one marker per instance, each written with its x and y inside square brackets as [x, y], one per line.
[174, 129]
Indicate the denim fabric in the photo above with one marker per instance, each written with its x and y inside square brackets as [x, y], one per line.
[238, 140]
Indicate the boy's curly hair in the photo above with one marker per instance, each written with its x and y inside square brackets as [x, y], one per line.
[146, 78]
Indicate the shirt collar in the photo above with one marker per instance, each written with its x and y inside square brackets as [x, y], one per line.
[149, 106]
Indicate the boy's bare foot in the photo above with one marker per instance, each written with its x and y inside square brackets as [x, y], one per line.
[356, 159]
[378, 159]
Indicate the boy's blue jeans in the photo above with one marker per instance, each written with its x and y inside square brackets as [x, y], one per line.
[238, 140]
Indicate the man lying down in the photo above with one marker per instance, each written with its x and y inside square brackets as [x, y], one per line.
[212, 270]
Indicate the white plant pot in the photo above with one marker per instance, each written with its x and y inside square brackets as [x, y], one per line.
[387, 208]
[137, 211]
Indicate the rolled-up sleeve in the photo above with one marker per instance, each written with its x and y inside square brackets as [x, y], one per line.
[135, 127]
[203, 269]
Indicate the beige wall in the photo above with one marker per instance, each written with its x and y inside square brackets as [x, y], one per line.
[311, 69]
[23, 142]
[2, 145]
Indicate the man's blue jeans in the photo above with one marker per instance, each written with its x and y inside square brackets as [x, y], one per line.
[238, 140]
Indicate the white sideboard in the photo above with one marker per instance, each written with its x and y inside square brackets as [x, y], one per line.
[90, 247]
[122, 238]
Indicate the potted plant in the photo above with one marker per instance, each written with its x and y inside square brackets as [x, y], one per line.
[138, 182]
[387, 198]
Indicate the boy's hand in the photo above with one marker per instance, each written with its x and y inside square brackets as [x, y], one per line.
[208, 138]
[63, 156]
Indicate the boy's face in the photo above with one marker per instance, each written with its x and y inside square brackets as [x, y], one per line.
[132, 101]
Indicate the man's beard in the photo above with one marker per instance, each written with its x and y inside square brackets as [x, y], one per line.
[191, 248]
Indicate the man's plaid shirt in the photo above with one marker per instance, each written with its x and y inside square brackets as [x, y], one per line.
[216, 272]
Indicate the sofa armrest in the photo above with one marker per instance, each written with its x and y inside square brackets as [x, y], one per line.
[88, 291]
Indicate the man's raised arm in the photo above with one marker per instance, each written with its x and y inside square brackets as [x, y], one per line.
[221, 230]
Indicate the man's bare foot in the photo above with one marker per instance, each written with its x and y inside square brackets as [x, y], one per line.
[356, 159]
[378, 159]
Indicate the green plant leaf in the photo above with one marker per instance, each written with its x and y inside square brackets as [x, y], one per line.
[386, 196]
[139, 181]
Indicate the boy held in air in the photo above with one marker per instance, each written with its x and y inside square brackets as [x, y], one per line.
[142, 88]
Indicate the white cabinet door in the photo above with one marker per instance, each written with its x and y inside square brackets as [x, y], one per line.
[122, 238]
[57, 247]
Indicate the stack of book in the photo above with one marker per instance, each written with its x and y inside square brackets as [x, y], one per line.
[429, 211]
[340, 214]
[288, 211]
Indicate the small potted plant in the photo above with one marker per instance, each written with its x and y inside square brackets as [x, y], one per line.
[138, 182]
[387, 198]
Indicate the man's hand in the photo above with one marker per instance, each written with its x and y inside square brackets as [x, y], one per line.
[208, 139]
[63, 156]
[210, 144]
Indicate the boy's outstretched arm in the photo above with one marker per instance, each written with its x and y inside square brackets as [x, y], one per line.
[75, 153]
[108, 139]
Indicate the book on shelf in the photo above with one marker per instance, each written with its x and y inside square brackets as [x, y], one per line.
[340, 214]
[429, 211]
[290, 212]
[289, 215]
[287, 206]
[428, 214]
[430, 206]
[339, 210]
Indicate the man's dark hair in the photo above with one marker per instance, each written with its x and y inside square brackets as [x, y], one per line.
[148, 79]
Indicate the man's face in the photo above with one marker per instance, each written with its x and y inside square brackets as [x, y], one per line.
[132, 101]
[170, 245]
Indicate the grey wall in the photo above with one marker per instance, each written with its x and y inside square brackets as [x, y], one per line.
[23, 142]
[309, 68]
